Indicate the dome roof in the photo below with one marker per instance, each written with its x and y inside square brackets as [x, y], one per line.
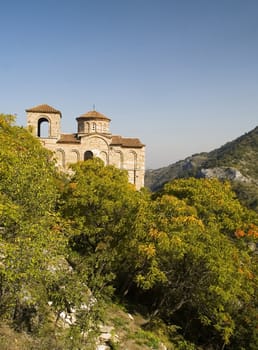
[93, 115]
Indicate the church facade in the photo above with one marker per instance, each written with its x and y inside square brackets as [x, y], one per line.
[92, 139]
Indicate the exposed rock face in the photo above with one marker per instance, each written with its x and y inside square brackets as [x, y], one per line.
[189, 167]
[224, 173]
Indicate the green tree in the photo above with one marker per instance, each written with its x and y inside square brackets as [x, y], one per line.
[215, 202]
[98, 201]
[27, 173]
[33, 236]
[208, 282]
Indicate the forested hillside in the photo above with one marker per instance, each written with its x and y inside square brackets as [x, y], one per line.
[78, 251]
[236, 161]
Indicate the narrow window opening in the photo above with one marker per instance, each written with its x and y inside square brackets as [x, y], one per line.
[88, 155]
[43, 128]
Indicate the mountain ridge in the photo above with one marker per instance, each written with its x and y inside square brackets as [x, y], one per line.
[236, 161]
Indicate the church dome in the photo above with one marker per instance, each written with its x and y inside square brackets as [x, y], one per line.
[93, 115]
[93, 122]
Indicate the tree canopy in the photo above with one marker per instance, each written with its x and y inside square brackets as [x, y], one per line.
[71, 242]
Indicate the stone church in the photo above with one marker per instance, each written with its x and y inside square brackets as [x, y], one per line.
[92, 139]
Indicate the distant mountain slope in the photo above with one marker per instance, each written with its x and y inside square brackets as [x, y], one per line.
[236, 161]
[241, 153]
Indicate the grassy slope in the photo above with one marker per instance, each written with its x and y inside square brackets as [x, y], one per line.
[128, 331]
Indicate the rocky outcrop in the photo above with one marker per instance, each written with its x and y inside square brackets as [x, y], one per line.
[224, 173]
[106, 338]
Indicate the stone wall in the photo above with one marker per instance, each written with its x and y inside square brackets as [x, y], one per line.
[71, 148]
[132, 160]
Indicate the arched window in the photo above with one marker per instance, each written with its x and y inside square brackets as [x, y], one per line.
[103, 155]
[43, 127]
[60, 157]
[133, 161]
[119, 159]
[81, 127]
[94, 127]
[88, 155]
[74, 156]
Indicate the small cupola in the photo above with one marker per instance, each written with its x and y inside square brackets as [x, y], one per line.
[93, 122]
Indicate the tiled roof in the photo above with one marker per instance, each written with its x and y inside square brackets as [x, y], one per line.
[93, 115]
[68, 138]
[126, 142]
[43, 109]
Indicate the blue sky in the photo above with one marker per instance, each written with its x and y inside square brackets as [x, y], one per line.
[182, 75]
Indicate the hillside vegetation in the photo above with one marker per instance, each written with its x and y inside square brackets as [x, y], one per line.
[236, 161]
[85, 251]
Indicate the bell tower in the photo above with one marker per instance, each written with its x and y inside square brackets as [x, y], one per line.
[45, 121]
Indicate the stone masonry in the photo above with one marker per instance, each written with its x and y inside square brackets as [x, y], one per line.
[93, 139]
